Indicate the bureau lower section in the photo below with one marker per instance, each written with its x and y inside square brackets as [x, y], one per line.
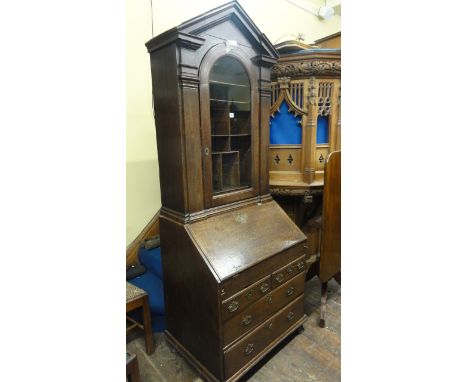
[232, 294]
[243, 355]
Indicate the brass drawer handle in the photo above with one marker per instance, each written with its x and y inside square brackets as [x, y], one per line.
[290, 291]
[290, 269]
[249, 349]
[265, 287]
[279, 277]
[300, 265]
[290, 316]
[233, 306]
[247, 320]
[250, 294]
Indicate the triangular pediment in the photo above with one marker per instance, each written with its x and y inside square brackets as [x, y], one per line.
[228, 13]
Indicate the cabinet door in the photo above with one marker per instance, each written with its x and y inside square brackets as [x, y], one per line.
[230, 128]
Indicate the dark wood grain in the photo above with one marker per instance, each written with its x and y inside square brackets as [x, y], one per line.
[250, 275]
[219, 242]
[330, 254]
[251, 345]
[133, 373]
[290, 270]
[256, 313]
[191, 297]
[142, 303]
[240, 239]
[244, 298]
[312, 355]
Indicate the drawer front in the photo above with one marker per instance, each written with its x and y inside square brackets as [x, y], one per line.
[240, 301]
[243, 279]
[258, 312]
[287, 272]
[246, 349]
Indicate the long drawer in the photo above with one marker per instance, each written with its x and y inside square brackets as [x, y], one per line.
[259, 311]
[246, 349]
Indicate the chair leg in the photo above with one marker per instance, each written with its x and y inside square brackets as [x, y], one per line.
[133, 373]
[147, 324]
[323, 304]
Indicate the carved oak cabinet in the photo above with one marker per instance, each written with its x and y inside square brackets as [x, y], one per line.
[233, 261]
[305, 127]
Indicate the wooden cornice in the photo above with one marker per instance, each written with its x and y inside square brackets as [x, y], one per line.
[307, 69]
[326, 38]
[174, 35]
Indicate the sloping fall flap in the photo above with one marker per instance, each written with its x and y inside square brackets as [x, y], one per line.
[236, 240]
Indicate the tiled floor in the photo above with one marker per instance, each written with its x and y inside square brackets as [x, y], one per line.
[313, 355]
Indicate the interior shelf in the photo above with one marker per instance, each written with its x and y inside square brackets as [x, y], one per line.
[227, 83]
[231, 138]
[229, 101]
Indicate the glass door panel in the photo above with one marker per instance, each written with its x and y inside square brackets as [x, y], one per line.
[231, 130]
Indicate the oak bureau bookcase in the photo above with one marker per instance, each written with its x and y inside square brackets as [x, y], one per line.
[233, 261]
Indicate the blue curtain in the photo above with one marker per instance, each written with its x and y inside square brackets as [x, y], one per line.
[285, 128]
[322, 129]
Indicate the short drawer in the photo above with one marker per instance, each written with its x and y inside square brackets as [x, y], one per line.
[254, 343]
[239, 281]
[240, 301]
[287, 272]
[258, 312]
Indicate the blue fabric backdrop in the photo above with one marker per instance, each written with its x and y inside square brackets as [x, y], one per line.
[285, 128]
[322, 129]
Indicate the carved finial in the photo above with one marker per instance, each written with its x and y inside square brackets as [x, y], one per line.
[284, 82]
[312, 92]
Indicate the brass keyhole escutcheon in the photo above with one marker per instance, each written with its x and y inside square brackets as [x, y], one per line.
[279, 277]
[233, 306]
[247, 320]
[290, 316]
[270, 325]
[249, 349]
[290, 270]
[269, 300]
[264, 288]
[290, 291]
[207, 150]
[250, 294]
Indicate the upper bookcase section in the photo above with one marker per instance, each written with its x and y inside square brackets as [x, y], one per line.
[211, 92]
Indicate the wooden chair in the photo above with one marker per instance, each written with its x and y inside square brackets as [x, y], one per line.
[138, 298]
[330, 243]
[133, 373]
